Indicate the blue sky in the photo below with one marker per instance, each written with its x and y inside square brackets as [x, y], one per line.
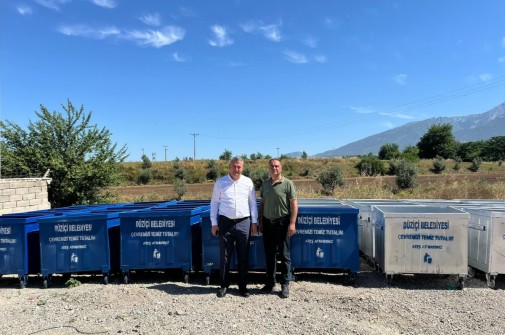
[250, 76]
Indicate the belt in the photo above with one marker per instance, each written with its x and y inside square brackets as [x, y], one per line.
[278, 220]
[235, 220]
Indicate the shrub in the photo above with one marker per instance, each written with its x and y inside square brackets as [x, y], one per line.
[371, 166]
[145, 177]
[405, 172]
[258, 177]
[181, 173]
[180, 188]
[213, 172]
[457, 163]
[331, 178]
[438, 164]
[476, 162]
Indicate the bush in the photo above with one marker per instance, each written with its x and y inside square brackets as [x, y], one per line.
[457, 163]
[476, 162]
[331, 178]
[181, 173]
[258, 177]
[146, 163]
[371, 166]
[180, 188]
[438, 164]
[405, 172]
[145, 177]
[213, 172]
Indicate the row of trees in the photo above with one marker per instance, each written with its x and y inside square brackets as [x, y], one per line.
[83, 161]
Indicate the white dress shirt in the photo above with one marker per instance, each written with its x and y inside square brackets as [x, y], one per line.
[233, 199]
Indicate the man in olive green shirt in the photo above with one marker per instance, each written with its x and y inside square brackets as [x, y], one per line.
[278, 212]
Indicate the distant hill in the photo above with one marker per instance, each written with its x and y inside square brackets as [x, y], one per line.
[465, 129]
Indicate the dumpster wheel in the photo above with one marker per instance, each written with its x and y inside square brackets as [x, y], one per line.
[22, 282]
[389, 279]
[126, 278]
[186, 278]
[491, 280]
[46, 283]
[106, 278]
[461, 281]
[471, 272]
[207, 279]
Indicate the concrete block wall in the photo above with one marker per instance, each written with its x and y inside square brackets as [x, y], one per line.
[23, 195]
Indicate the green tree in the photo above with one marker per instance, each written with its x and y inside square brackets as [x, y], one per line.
[146, 163]
[438, 140]
[80, 155]
[213, 172]
[494, 149]
[469, 150]
[476, 162]
[304, 155]
[370, 166]
[410, 153]
[405, 174]
[225, 156]
[331, 178]
[180, 188]
[258, 176]
[389, 151]
[438, 164]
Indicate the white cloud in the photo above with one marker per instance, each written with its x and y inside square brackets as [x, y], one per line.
[178, 58]
[320, 58]
[310, 41]
[295, 57]
[388, 125]
[152, 19]
[401, 79]
[362, 110]
[52, 4]
[105, 3]
[485, 77]
[269, 31]
[397, 115]
[156, 38]
[187, 12]
[221, 37]
[87, 31]
[24, 10]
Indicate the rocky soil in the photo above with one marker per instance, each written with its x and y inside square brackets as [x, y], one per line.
[320, 303]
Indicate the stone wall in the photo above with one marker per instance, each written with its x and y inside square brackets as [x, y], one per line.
[23, 195]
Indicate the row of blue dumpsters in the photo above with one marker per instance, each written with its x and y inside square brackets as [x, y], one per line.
[145, 236]
[398, 236]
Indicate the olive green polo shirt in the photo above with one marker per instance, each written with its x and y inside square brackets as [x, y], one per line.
[276, 198]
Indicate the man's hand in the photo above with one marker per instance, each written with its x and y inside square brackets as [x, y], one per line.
[214, 230]
[291, 229]
[254, 229]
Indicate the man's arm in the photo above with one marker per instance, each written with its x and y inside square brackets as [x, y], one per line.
[293, 216]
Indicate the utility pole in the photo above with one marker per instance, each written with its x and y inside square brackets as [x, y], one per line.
[165, 146]
[142, 151]
[194, 145]
[277, 152]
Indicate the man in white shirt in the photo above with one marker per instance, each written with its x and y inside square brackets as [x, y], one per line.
[234, 216]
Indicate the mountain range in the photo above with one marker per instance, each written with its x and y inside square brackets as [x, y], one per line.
[468, 128]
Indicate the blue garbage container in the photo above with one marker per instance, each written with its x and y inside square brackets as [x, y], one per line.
[19, 244]
[326, 239]
[158, 238]
[76, 243]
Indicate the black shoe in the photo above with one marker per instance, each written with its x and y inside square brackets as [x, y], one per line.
[284, 291]
[267, 289]
[245, 293]
[221, 292]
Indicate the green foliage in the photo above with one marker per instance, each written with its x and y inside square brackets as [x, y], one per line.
[253, 157]
[457, 163]
[438, 164]
[213, 172]
[476, 162]
[304, 155]
[469, 150]
[389, 151]
[181, 173]
[410, 153]
[405, 174]
[371, 166]
[72, 282]
[438, 140]
[331, 178]
[145, 177]
[225, 156]
[305, 172]
[494, 149]
[146, 163]
[180, 188]
[80, 156]
[258, 176]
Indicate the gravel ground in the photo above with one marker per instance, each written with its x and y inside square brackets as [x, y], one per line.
[161, 303]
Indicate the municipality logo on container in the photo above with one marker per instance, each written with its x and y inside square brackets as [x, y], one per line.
[427, 258]
[74, 258]
[156, 254]
[319, 253]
